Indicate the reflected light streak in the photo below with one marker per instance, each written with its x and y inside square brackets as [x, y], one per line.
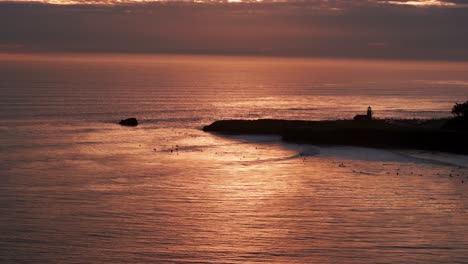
[421, 3]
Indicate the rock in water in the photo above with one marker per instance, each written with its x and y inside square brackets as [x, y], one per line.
[129, 122]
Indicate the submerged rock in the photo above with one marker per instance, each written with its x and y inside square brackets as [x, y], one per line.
[129, 122]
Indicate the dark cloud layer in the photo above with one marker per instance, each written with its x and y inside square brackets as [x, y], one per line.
[336, 28]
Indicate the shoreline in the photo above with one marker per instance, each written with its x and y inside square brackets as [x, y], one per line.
[379, 133]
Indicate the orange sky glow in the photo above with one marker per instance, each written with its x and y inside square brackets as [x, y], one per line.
[420, 3]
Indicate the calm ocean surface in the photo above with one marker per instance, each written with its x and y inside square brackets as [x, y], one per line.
[77, 188]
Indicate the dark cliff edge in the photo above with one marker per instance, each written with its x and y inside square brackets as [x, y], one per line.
[409, 134]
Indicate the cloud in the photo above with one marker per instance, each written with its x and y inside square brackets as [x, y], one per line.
[425, 3]
[322, 2]
[334, 28]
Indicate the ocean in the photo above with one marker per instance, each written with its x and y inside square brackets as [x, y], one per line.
[76, 187]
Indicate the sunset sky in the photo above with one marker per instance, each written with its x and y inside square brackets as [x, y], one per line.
[427, 30]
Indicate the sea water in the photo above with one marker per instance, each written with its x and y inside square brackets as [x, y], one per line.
[75, 187]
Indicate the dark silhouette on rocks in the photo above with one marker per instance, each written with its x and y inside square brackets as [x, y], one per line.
[460, 121]
[460, 110]
[129, 122]
[447, 134]
[367, 117]
[375, 133]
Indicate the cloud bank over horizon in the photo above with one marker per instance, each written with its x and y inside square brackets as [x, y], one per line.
[428, 30]
[452, 3]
